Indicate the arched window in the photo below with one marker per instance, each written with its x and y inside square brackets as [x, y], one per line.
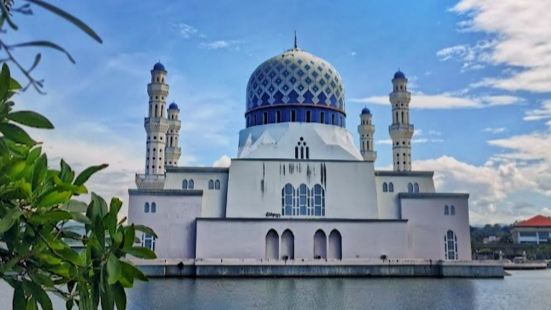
[153, 207]
[302, 200]
[217, 184]
[319, 200]
[450, 246]
[287, 199]
[385, 187]
[301, 150]
[287, 245]
[148, 241]
[272, 245]
[452, 210]
[410, 188]
[184, 184]
[416, 187]
[335, 245]
[190, 184]
[146, 207]
[211, 184]
[391, 187]
[446, 210]
[320, 245]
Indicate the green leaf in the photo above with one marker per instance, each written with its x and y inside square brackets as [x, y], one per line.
[4, 80]
[40, 171]
[53, 198]
[75, 21]
[45, 44]
[129, 237]
[120, 296]
[132, 271]
[145, 230]
[19, 301]
[51, 216]
[39, 294]
[9, 218]
[87, 173]
[67, 174]
[79, 217]
[141, 252]
[31, 119]
[16, 134]
[113, 269]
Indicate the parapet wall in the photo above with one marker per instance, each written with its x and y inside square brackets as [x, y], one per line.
[395, 268]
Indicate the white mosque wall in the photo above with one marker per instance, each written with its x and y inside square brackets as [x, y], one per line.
[246, 238]
[214, 199]
[279, 140]
[255, 186]
[389, 204]
[428, 223]
[173, 221]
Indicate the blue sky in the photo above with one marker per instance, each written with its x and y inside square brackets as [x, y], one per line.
[480, 73]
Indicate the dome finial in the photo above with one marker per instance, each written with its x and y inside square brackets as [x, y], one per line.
[296, 45]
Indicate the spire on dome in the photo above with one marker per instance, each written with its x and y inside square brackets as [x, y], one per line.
[296, 45]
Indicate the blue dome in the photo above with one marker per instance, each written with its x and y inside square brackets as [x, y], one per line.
[173, 106]
[159, 66]
[295, 86]
[399, 75]
[366, 111]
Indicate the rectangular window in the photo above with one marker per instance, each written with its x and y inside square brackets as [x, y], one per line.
[322, 117]
[333, 119]
[308, 116]
[278, 116]
[293, 116]
[265, 118]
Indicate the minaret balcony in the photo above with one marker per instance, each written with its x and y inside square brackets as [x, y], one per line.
[401, 127]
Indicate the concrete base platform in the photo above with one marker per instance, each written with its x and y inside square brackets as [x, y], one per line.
[321, 268]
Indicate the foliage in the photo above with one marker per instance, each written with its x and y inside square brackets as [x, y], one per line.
[37, 206]
[7, 9]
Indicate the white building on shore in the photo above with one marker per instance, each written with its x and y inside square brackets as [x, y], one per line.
[299, 187]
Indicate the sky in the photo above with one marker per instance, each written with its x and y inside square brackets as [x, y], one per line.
[479, 73]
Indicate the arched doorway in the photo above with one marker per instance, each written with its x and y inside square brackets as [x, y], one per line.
[320, 245]
[335, 245]
[272, 245]
[287, 245]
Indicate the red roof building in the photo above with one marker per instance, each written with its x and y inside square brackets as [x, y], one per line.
[536, 221]
[534, 230]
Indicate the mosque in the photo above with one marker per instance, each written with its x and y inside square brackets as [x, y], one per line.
[299, 188]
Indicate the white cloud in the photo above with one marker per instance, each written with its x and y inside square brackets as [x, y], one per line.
[221, 44]
[520, 35]
[353, 53]
[539, 114]
[187, 31]
[446, 101]
[490, 187]
[473, 57]
[494, 130]
[224, 161]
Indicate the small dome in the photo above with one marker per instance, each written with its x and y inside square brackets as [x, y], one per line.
[366, 111]
[159, 66]
[399, 75]
[173, 106]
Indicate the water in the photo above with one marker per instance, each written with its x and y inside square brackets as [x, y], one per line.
[522, 290]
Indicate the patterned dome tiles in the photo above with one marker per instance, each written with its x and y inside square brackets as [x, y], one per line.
[295, 77]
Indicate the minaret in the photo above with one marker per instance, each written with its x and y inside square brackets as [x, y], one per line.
[401, 130]
[156, 125]
[366, 131]
[172, 150]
